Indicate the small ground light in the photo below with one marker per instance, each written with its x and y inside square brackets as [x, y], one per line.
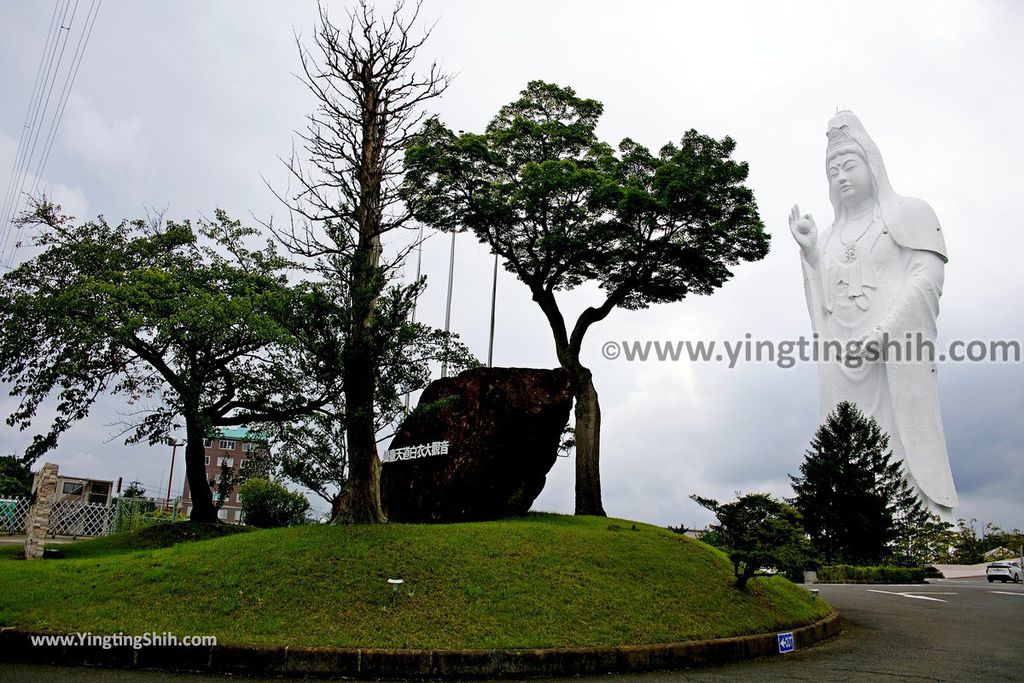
[395, 583]
[814, 592]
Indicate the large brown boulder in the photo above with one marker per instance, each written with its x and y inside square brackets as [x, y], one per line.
[478, 446]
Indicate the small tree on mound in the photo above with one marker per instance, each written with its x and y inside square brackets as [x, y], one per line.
[563, 209]
[758, 533]
[267, 504]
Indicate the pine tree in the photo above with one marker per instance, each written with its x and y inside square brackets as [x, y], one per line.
[855, 501]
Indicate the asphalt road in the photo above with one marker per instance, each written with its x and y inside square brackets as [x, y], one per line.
[963, 630]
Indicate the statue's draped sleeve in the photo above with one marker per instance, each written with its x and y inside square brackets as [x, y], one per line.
[913, 385]
[815, 293]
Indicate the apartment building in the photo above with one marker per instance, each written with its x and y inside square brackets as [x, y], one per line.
[238, 449]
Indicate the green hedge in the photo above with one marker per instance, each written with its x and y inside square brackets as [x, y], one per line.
[267, 504]
[844, 573]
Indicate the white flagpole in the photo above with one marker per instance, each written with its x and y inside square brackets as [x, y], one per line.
[494, 300]
[448, 306]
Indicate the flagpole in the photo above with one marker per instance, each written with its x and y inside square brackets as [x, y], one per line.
[494, 300]
[419, 272]
[448, 306]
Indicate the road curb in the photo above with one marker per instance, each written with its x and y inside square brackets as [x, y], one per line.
[370, 663]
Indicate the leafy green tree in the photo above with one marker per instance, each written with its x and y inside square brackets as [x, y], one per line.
[268, 503]
[15, 478]
[965, 546]
[134, 490]
[562, 209]
[369, 100]
[919, 536]
[997, 537]
[856, 504]
[312, 453]
[187, 323]
[758, 533]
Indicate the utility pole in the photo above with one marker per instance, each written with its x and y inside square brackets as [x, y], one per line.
[170, 478]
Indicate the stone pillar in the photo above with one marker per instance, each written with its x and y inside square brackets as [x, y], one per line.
[44, 490]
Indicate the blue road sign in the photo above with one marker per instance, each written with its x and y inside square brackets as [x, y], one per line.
[786, 643]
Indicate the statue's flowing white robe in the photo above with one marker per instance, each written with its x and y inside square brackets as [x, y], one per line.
[893, 284]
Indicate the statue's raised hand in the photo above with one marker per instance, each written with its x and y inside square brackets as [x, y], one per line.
[805, 232]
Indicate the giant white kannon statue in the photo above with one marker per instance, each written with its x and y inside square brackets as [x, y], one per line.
[875, 275]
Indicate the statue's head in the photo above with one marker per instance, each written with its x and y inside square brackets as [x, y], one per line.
[853, 165]
[849, 176]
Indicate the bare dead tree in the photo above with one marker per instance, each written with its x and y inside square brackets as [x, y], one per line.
[369, 103]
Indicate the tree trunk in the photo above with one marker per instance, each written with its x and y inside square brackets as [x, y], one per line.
[363, 494]
[361, 358]
[742, 577]
[588, 443]
[362, 499]
[339, 505]
[588, 409]
[203, 509]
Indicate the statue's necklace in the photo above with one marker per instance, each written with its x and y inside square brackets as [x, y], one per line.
[850, 248]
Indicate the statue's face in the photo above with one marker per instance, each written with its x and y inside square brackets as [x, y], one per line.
[850, 177]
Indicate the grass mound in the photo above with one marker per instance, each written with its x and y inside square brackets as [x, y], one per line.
[149, 538]
[538, 581]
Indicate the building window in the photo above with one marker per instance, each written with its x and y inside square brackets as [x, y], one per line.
[227, 445]
[73, 488]
[207, 460]
[98, 494]
[230, 462]
[207, 443]
[247, 446]
[222, 514]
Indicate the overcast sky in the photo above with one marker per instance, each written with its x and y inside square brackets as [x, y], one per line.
[184, 106]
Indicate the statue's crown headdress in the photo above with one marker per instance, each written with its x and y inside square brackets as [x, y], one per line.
[839, 136]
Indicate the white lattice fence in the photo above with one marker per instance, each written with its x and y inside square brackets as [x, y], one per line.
[13, 512]
[75, 518]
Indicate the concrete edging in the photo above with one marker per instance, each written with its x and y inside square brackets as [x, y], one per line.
[16, 645]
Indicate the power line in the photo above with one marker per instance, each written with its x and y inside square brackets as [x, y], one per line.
[29, 116]
[69, 82]
[40, 113]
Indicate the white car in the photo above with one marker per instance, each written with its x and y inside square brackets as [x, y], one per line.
[1008, 570]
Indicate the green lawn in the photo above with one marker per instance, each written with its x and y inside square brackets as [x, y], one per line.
[538, 581]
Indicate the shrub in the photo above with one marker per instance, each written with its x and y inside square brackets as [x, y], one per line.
[269, 504]
[758, 533]
[844, 573]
